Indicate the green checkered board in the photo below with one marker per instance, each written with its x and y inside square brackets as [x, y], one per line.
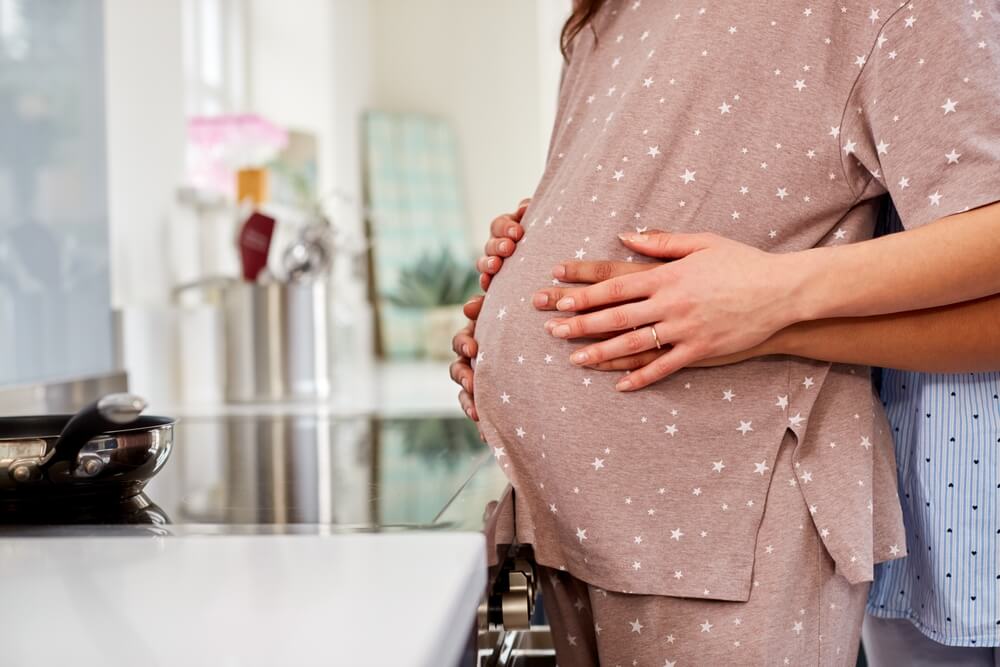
[415, 205]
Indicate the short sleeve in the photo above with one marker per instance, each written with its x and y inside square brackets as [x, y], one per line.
[922, 122]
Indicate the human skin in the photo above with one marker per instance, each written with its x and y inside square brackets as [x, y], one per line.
[957, 328]
[720, 297]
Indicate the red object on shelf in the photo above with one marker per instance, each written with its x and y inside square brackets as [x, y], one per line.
[255, 242]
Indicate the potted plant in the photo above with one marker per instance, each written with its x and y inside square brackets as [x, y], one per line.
[438, 285]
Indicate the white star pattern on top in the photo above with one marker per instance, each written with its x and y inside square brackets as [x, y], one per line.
[663, 130]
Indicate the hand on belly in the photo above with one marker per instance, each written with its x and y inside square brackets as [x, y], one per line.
[601, 313]
[505, 231]
[714, 304]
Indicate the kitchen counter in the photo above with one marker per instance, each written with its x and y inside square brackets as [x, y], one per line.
[364, 599]
[278, 536]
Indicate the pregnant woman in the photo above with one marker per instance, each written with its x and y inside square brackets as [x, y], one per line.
[734, 511]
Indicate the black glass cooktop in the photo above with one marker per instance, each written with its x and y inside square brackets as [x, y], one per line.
[295, 473]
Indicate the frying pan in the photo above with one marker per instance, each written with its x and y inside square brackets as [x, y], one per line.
[106, 450]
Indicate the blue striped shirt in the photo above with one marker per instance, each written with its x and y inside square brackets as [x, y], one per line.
[947, 434]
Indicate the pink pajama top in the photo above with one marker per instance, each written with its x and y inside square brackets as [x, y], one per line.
[777, 124]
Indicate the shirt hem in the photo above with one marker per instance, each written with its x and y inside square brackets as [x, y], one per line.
[967, 641]
[609, 582]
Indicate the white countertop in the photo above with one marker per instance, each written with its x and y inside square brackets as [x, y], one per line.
[356, 599]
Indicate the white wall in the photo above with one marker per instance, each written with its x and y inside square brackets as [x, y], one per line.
[145, 116]
[491, 68]
[290, 68]
[308, 69]
[486, 67]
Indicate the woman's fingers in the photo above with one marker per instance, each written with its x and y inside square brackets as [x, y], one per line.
[630, 363]
[547, 298]
[626, 344]
[602, 335]
[613, 282]
[468, 405]
[579, 271]
[508, 226]
[464, 344]
[584, 272]
[499, 247]
[473, 306]
[611, 291]
[662, 366]
[617, 318]
[505, 232]
[462, 374]
[486, 264]
[655, 243]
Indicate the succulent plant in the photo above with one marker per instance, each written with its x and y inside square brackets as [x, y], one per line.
[435, 281]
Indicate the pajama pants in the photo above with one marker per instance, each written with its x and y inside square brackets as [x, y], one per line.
[800, 612]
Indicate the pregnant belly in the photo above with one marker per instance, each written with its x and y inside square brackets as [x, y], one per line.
[607, 481]
[532, 400]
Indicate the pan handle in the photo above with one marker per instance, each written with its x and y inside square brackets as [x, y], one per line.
[108, 413]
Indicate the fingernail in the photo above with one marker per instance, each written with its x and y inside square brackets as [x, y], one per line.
[468, 411]
[559, 271]
[561, 331]
[579, 357]
[504, 246]
[549, 324]
[512, 231]
[624, 385]
[465, 384]
[540, 299]
[491, 263]
[566, 303]
[633, 237]
[465, 350]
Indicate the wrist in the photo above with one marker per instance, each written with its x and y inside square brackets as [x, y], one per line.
[782, 342]
[804, 274]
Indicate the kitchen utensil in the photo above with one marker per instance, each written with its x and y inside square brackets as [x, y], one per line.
[106, 449]
[255, 243]
[277, 341]
[310, 256]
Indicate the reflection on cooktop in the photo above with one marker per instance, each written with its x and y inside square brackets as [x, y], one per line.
[135, 511]
[354, 472]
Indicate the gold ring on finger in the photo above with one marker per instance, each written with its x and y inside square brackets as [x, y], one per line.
[656, 339]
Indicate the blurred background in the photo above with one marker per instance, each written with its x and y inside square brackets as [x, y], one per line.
[270, 198]
[262, 217]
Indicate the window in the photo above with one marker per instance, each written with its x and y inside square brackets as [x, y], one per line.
[214, 56]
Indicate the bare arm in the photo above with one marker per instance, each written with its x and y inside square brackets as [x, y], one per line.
[962, 337]
[954, 259]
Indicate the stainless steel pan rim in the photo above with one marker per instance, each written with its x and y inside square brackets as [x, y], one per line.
[123, 458]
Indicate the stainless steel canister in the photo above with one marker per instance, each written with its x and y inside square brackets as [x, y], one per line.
[277, 339]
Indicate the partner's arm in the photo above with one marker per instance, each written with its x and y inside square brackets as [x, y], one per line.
[963, 337]
[722, 297]
[952, 260]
